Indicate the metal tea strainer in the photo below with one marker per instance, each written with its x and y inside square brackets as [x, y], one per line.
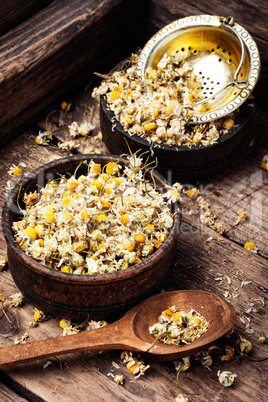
[222, 53]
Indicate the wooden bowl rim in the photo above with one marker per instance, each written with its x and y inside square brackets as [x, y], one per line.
[84, 279]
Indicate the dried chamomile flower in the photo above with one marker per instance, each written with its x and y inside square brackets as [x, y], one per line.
[39, 315]
[64, 323]
[21, 339]
[70, 330]
[3, 262]
[180, 398]
[243, 346]
[66, 106]
[16, 299]
[251, 246]
[119, 379]
[205, 358]
[84, 129]
[15, 170]
[95, 325]
[2, 298]
[134, 366]
[44, 137]
[183, 364]
[229, 353]
[264, 162]
[68, 145]
[33, 323]
[31, 199]
[262, 339]
[241, 217]
[192, 192]
[226, 378]
[218, 227]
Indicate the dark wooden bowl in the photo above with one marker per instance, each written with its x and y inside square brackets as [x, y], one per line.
[104, 296]
[180, 163]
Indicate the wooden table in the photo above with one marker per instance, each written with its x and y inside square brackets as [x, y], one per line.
[203, 257]
[199, 263]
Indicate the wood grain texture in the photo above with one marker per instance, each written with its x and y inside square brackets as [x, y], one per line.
[56, 50]
[198, 263]
[14, 12]
[251, 14]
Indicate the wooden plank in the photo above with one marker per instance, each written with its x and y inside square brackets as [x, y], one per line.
[252, 15]
[8, 395]
[13, 12]
[56, 50]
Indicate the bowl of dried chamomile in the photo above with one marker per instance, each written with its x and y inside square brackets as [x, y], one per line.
[184, 97]
[91, 235]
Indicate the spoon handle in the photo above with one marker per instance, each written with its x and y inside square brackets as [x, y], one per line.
[110, 337]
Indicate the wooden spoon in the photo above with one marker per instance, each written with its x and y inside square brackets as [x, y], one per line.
[131, 332]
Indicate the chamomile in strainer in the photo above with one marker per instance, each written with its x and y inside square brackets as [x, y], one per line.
[223, 56]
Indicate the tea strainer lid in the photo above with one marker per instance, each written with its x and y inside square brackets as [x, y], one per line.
[223, 55]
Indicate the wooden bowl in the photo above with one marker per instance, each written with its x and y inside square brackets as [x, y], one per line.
[103, 296]
[180, 163]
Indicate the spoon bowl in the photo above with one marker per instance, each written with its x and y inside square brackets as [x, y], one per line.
[131, 332]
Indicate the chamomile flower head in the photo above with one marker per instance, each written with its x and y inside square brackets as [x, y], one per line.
[264, 162]
[43, 137]
[68, 145]
[226, 378]
[251, 246]
[16, 299]
[16, 170]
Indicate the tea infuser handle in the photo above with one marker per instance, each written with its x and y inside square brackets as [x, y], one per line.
[229, 22]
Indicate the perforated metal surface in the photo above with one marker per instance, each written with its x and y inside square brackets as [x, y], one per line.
[223, 55]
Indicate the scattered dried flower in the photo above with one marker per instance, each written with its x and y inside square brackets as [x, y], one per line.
[68, 145]
[22, 339]
[3, 262]
[226, 378]
[134, 366]
[44, 137]
[264, 162]
[16, 299]
[250, 246]
[243, 345]
[119, 379]
[241, 217]
[180, 398]
[15, 170]
[84, 129]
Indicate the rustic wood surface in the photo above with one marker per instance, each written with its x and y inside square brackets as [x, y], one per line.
[205, 259]
[53, 52]
[202, 255]
[14, 12]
